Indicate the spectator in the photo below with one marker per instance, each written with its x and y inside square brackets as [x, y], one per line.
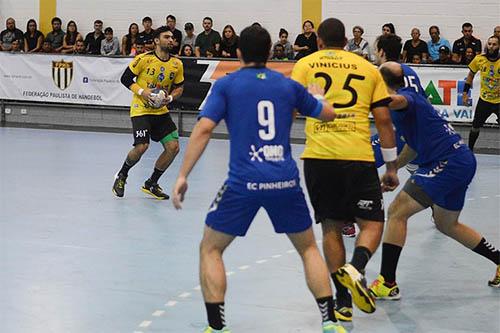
[444, 56]
[187, 51]
[72, 35]
[10, 34]
[283, 41]
[467, 40]
[211, 52]
[130, 39]
[110, 44]
[208, 39]
[435, 43]
[47, 47]
[171, 21]
[416, 59]
[139, 47]
[496, 31]
[93, 39]
[256, 24]
[415, 46]
[33, 38]
[305, 43]
[229, 42]
[79, 47]
[147, 34]
[455, 59]
[357, 44]
[56, 36]
[279, 52]
[190, 38]
[388, 28]
[16, 46]
[469, 55]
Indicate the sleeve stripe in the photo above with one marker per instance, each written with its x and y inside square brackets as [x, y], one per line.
[382, 102]
[317, 110]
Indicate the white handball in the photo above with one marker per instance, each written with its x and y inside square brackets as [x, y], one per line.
[158, 96]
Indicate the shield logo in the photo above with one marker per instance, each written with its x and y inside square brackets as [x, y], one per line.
[62, 73]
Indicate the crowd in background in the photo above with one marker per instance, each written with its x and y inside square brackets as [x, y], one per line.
[210, 43]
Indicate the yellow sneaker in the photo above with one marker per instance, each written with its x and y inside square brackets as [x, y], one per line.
[352, 279]
[331, 327]
[211, 330]
[379, 290]
[343, 314]
[495, 283]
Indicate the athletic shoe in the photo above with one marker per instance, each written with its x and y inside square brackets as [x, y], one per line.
[495, 283]
[380, 290]
[331, 327]
[349, 230]
[154, 190]
[211, 330]
[343, 308]
[352, 279]
[119, 185]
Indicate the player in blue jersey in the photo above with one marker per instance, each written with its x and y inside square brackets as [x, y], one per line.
[446, 168]
[257, 105]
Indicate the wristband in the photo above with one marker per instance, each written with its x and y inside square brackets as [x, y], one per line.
[466, 88]
[170, 99]
[139, 92]
[389, 154]
[319, 97]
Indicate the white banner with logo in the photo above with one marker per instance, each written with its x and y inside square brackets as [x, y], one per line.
[96, 81]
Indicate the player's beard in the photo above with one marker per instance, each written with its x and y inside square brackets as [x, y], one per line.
[168, 48]
[493, 55]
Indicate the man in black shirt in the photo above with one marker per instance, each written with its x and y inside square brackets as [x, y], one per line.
[171, 21]
[460, 45]
[10, 34]
[415, 46]
[93, 39]
[146, 36]
[208, 39]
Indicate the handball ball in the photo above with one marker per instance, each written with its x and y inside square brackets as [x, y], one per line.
[158, 96]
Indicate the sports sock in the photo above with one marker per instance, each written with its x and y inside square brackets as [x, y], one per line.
[473, 135]
[360, 258]
[325, 305]
[156, 175]
[390, 258]
[341, 293]
[127, 165]
[216, 316]
[488, 251]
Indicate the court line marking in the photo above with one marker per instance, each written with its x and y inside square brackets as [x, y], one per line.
[145, 323]
[158, 313]
[171, 303]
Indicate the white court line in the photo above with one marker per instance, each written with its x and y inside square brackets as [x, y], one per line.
[184, 295]
[485, 197]
[158, 313]
[138, 332]
[471, 199]
[291, 251]
[242, 268]
[261, 261]
[145, 323]
[498, 195]
[171, 303]
[229, 273]
[276, 256]
[197, 288]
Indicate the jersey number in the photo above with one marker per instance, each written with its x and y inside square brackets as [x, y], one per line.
[150, 71]
[265, 115]
[409, 82]
[347, 86]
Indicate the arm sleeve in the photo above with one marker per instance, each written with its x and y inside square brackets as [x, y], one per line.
[116, 46]
[380, 95]
[455, 47]
[305, 102]
[136, 65]
[411, 102]
[102, 47]
[179, 77]
[127, 78]
[474, 66]
[215, 107]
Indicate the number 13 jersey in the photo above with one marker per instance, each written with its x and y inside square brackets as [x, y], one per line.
[352, 85]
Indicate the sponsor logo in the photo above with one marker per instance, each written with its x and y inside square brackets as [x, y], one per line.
[171, 75]
[270, 153]
[365, 204]
[161, 77]
[85, 79]
[141, 133]
[280, 185]
[337, 126]
[62, 73]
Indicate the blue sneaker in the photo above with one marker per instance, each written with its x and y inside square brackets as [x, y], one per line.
[331, 327]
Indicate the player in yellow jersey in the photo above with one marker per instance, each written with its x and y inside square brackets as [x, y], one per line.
[489, 97]
[339, 168]
[156, 79]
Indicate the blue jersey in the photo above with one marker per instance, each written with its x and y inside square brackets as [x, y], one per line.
[257, 105]
[412, 80]
[424, 130]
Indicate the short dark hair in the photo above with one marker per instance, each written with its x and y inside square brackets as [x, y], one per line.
[360, 28]
[332, 32]
[307, 21]
[390, 26]
[172, 17]
[283, 31]
[255, 44]
[160, 30]
[391, 45]
[208, 18]
[189, 26]
[108, 30]
[434, 27]
[97, 22]
[466, 25]
[147, 19]
[394, 80]
[55, 19]
[257, 24]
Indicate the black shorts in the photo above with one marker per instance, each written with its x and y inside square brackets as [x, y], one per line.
[152, 126]
[344, 190]
[483, 111]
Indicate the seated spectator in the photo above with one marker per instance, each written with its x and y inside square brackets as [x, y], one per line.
[211, 52]
[10, 34]
[416, 59]
[171, 22]
[283, 41]
[47, 47]
[33, 38]
[110, 44]
[388, 28]
[305, 43]
[229, 42]
[139, 47]
[444, 56]
[256, 24]
[16, 46]
[414, 46]
[56, 36]
[279, 53]
[79, 47]
[467, 40]
[357, 44]
[455, 59]
[147, 34]
[435, 43]
[72, 35]
[208, 39]
[187, 51]
[93, 39]
[130, 39]
[470, 54]
[190, 38]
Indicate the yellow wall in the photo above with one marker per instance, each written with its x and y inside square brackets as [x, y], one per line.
[311, 10]
[47, 12]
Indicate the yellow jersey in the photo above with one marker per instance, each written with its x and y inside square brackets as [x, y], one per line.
[352, 85]
[490, 77]
[152, 72]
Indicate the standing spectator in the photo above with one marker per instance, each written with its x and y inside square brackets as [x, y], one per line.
[435, 43]
[357, 44]
[33, 38]
[496, 32]
[130, 39]
[110, 44]
[147, 34]
[279, 52]
[444, 56]
[283, 41]
[207, 39]
[415, 46]
[305, 43]
[56, 36]
[469, 55]
[93, 39]
[16, 46]
[171, 21]
[79, 47]
[187, 51]
[229, 42]
[190, 38]
[10, 34]
[467, 40]
[388, 28]
[72, 35]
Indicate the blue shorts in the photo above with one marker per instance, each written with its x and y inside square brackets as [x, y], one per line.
[446, 182]
[232, 212]
[375, 140]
